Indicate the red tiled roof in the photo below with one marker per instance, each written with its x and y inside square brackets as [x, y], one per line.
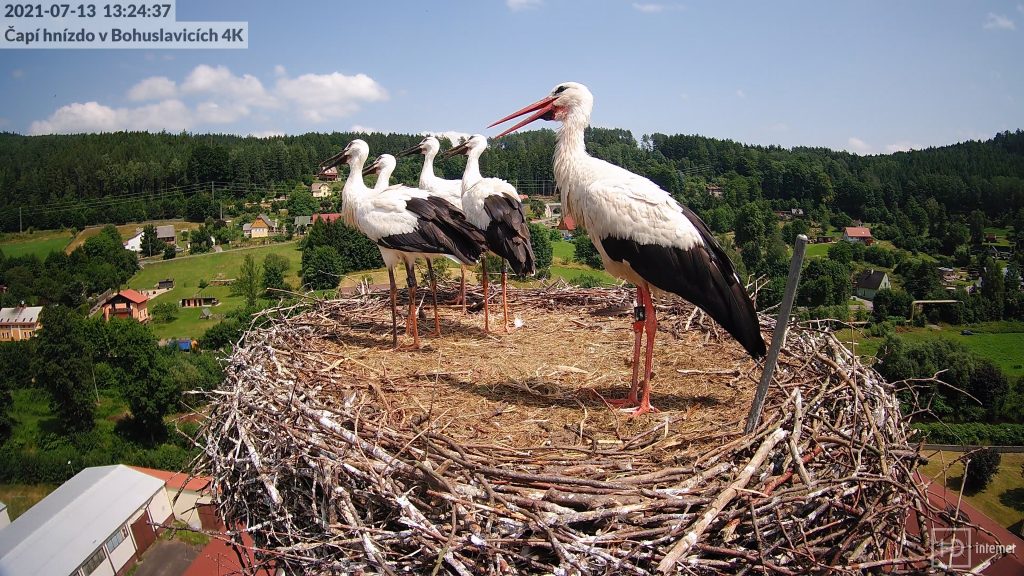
[567, 223]
[219, 558]
[326, 217]
[858, 232]
[133, 295]
[177, 480]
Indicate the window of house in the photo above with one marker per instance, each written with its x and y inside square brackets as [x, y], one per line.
[116, 538]
[94, 561]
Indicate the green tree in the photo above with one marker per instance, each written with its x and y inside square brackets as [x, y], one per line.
[274, 267]
[249, 282]
[976, 222]
[841, 252]
[584, 250]
[301, 203]
[322, 269]
[542, 249]
[63, 366]
[824, 283]
[151, 245]
[890, 302]
[170, 252]
[982, 465]
[165, 312]
[792, 229]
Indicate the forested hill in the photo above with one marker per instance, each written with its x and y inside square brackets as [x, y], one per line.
[70, 180]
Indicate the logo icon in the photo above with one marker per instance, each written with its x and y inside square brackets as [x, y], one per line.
[951, 547]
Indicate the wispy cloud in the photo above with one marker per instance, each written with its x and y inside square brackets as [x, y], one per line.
[740, 93]
[653, 8]
[453, 136]
[517, 5]
[857, 146]
[362, 129]
[998, 22]
[17, 73]
[266, 134]
[902, 146]
[214, 95]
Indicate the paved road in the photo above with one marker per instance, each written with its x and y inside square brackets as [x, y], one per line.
[167, 558]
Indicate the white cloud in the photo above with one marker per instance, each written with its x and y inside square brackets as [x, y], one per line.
[857, 146]
[901, 146]
[171, 115]
[153, 88]
[266, 134]
[321, 97]
[998, 22]
[741, 94]
[17, 73]
[280, 70]
[651, 8]
[517, 5]
[362, 129]
[218, 113]
[453, 136]
[219, 80]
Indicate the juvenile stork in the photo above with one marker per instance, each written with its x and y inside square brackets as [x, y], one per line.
[449, 190]
[493, 205]
[404, 223]
[643, 235]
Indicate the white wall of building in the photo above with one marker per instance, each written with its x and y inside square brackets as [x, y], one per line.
[160, 507]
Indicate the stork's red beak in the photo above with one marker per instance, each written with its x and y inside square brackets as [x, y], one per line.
[542, 107]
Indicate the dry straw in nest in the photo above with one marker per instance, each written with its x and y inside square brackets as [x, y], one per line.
[484, 454]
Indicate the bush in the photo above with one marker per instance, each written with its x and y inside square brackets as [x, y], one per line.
[972, 434]
[981, 467]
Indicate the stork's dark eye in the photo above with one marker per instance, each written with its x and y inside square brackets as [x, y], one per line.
[560, 89]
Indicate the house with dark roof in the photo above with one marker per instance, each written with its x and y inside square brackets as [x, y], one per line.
[301, 223]
[127, 304]
[166, 234]
[868, 282]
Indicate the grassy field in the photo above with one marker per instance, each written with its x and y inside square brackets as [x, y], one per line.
[188, 271]
[1002, 500]
[127, 230]
[1000, 342]
[38, 243]
[21, 497]
[563, 250]
[816, 251]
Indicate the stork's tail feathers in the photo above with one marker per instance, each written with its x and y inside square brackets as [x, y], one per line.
[508, 235]
[443, 229]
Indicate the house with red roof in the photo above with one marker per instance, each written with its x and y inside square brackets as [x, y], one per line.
[190, 498]
[127, 304]
[860, 234]
[327, 218]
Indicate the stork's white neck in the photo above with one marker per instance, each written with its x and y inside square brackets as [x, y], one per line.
[571, 156]
[472, 174]
[427, 171]
[383, 179]
[353, 189]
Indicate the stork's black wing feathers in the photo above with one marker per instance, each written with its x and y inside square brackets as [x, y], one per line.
[508, 234]
[703, 275]
[440, 229]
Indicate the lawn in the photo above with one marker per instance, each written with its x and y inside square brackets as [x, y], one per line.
[1002, 500]
[571, 272]
[187, 271]
[563, 250]
[38, 243]
[21, 497]
[1002, 347]
[816, 251]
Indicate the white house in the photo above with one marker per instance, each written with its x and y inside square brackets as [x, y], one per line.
[134, 243]
[95, 524]
[321, 190]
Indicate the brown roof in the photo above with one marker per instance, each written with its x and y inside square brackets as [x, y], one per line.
[331, 217]
[133, 295]
[858, 232]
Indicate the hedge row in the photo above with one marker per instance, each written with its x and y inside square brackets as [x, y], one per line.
[974, 433]
[52, 466]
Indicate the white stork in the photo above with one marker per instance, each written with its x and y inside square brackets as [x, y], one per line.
[404, 223]
[644, 235]
[493, 205]
[449, 190]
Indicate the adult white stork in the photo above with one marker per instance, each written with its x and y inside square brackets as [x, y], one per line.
[643, 235]
[404, 223]
[493, 205]
[449, 190]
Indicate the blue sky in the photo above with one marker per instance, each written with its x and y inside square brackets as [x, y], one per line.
[865, 76]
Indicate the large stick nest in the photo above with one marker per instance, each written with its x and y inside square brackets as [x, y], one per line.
[496, 454]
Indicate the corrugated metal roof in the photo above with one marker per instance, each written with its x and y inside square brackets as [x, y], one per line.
[20, 315]
[56, 535]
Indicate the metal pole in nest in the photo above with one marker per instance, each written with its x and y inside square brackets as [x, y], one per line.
[780, 333]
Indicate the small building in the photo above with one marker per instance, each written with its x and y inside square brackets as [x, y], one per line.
[5, 518]
[858, 234]
[567, 223]
[328, 175]
[247, 230]
[97, 523]
[869, 282]
[714, 190]
[165, 284]
[327, 218]
[134, 243]
[949, 275]
[166, 234]
[262, 227]
[990, 237]
[127, 304]
[321, 190]
[19, 323]
[199, 302]
[552, 209]
[301, 223]
[189, 497]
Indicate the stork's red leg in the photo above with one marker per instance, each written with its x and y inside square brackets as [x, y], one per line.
[483, 264]
[638, 326]
[462, 288]
[651, 325]
[504, 294]
[394, 306]
[433, 292]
